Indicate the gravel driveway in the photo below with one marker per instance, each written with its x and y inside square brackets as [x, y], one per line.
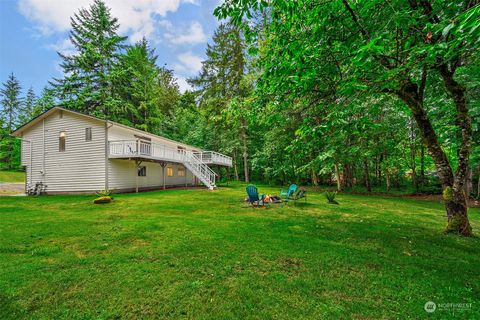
[8, 189]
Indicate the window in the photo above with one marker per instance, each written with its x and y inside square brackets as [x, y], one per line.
[181, 172]
[142, 171]
[169, 172]
[60, 114]
[61, 141]
[88, 134]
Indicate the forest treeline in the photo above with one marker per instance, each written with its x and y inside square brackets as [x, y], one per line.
[373, 95]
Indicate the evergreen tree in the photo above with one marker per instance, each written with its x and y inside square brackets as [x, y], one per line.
[28, 110]
[222, 90]
[148, 93]
[11, 103]
[44, 102]
[87, 85]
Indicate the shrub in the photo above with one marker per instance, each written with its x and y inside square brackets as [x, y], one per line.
[104, 193]
[331, 197]
[104, 199]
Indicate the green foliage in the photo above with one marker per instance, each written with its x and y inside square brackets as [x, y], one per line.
[87, 82]
[104, 193]
[377, 87]
[330, 195]
[447, 194]
[11, 111]
[148, 94]
[44, 102]
[28, 110]
[223, 88]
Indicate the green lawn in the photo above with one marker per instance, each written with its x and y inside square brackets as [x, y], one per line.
[197, 254]
[12, 176]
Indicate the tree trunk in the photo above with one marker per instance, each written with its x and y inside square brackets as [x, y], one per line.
[413, 153]
[478, 183]
[314, 178]
[245, 150]
[458, 216]
[346, 181]
[422, 165]
[337, 177]
[379, 166]
[235, 168]
[367, 175]
[469, 183]
[414, 178]
[353, 175]
[387, 179]
[453, 194]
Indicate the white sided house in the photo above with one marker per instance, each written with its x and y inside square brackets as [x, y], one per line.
[70, 152]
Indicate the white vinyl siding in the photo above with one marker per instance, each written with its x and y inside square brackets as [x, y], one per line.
[33, 138]
[123, 175]
[81, 167]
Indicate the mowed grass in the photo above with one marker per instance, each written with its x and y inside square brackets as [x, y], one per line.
[197, 254]
[12, 176]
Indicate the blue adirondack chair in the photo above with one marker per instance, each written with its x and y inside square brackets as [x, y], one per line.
[288, 193]
[253, 197]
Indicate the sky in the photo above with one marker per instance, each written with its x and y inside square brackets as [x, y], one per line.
[32, 31]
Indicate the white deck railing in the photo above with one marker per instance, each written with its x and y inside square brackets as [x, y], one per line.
[135, 148]
[214, 158]
[131, 148]
[195, 162]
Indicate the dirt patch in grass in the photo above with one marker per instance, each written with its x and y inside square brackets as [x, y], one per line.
[11, 188]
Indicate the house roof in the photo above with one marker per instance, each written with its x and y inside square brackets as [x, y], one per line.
[34, 121]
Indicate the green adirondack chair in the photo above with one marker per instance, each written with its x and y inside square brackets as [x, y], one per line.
[288, 193]
[301, 194]
[253, 197]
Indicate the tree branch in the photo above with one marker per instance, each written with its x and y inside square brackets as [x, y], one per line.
[355, 18]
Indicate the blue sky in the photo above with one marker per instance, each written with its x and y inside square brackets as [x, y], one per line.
[32, 31]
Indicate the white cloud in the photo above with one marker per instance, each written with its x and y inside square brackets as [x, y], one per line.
[137, 17]
[189, 63]
[183, 84]
[65, 47]
[193, 34]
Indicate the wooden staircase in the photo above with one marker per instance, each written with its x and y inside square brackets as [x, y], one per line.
[193, 163]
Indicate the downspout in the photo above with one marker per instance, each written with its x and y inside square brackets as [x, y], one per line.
[28, 181]
[43, 151]
[136, 175]
[163, 164]
[107, 151]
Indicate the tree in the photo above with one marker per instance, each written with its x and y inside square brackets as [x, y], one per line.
[28, 110]
[148, 93]
[87, 83]
[44, 102]
[11, 102]
[221, 82]
[343, 48]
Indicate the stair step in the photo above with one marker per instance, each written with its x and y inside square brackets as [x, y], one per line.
[200, 170]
